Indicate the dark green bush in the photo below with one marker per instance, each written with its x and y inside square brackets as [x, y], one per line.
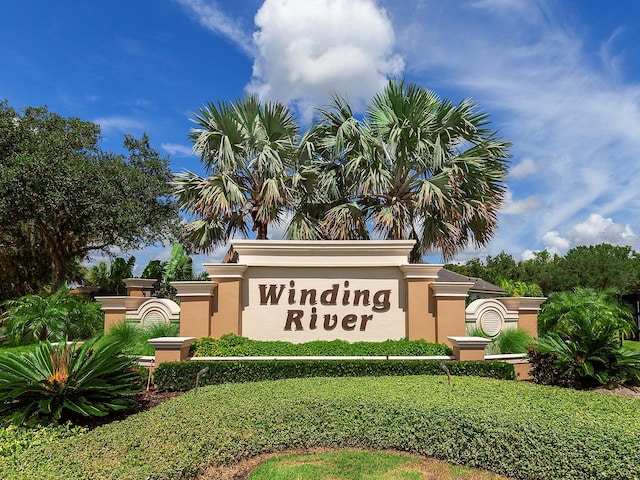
[518, 429]
[231, 345]
[180, 376]
[57, 316]
[65, 379]
[584, 332]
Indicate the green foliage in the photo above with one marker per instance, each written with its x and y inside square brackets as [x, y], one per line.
[416, 167]
[62, 197]
[133, 339]
[518, 429]
[180, 376]
[563, 312]
[598, 267]
[231, 345]
[53, 381]
[248, 150]
[110, 278]
[55, 317]
[582, 332]
[516, 288]
[513, 340]
[14, 438]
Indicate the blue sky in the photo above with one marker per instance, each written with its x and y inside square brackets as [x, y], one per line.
[560, 79]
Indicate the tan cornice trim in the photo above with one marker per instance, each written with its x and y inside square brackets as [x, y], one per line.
[421, 270]
[451, 289]
[194, 288]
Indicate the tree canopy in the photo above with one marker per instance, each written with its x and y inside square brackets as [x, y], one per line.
[598, 267]
[416, 167]
[61, 197]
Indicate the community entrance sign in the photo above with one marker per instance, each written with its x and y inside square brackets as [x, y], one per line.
[300, 291]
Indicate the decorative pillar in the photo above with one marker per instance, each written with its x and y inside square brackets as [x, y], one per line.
[420, 306]
[140, 287]
[227, 309]
[468, 348]
[527, 308]
[196, 306]
[171, 349]
[115, 308]
[450, 309]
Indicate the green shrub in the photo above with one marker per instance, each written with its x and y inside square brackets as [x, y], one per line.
[180, 376]
[518, 429]
[509, 340]
[513, 340]
[516, 288]
[134, 339]
[231, 345]
[67, 379]
[55, 317]
[584, 332]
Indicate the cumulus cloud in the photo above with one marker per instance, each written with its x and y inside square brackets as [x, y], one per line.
[593, 231]
[308, 50]
[597, 229]
[523, 169]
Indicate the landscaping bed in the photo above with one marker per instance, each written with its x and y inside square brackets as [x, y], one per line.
[517, 429]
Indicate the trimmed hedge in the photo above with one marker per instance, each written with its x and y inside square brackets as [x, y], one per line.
[517, 429]
[231, 345]
[181, 376]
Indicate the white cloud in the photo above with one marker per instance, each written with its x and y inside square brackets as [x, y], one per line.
[513, 207]
[555, 244]
[523, 169]
[213, 19]
[177, 150]
[593, 231]
[119, 124]
[308, 50]
[597, 229]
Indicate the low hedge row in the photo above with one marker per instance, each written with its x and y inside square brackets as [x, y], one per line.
[231, 345]
[181, 376]
[518, 429]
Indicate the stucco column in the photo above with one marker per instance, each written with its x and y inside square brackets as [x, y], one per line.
[115, 308]
[171, 349]
[420, 306]
[196, 305]
[527, 308]
[140, 287]
[450, 309]
[227, 309]
[468, 348]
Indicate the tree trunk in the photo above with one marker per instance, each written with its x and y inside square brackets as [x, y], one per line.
[262, 231]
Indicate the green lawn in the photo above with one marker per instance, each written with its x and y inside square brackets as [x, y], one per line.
[517, 429]
[362, 465]
[632, 345]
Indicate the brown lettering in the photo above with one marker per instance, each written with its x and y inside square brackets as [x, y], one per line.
[293, 316]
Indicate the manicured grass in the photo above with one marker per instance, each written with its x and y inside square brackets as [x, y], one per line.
[631, 345]
[362, 465]
[517, 429]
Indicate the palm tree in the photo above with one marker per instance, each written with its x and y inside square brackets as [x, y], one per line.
[250, 152]
[417, 168]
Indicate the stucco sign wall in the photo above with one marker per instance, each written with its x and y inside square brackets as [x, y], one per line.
[323, 303]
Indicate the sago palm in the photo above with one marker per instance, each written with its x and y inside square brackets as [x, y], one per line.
[249, 151]
[418, 168]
